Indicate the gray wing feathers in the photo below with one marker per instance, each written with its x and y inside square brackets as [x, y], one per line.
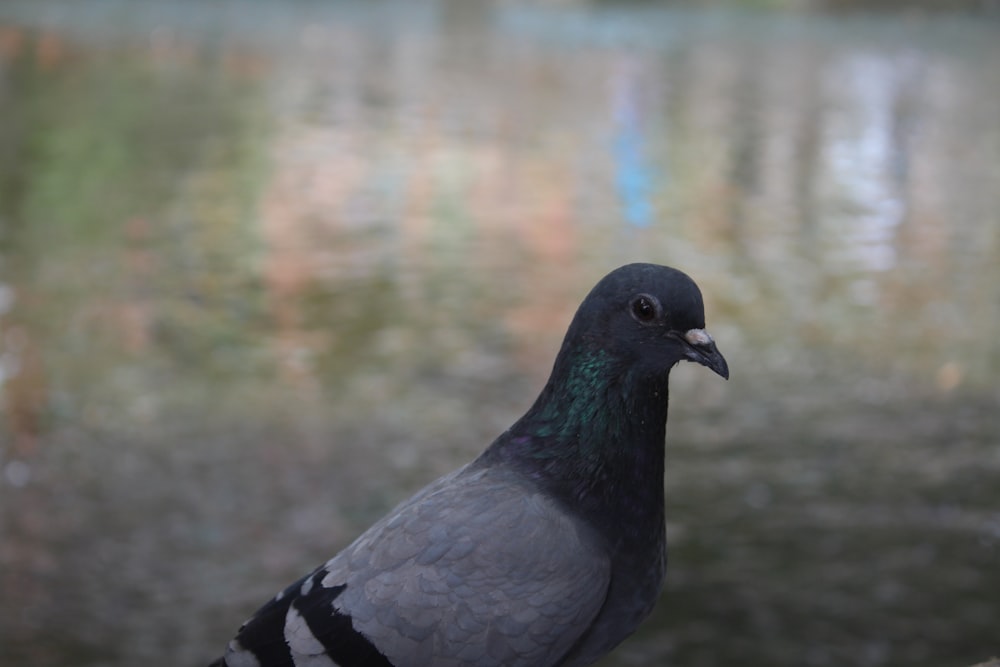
[476, 569]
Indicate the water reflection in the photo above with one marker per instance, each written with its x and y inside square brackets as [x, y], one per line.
[270, 267]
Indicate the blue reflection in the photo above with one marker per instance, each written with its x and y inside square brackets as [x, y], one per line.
[633, 176]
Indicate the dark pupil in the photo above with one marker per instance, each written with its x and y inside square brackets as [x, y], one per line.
[644, 309]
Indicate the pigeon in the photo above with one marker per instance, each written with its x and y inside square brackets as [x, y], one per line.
[549, 548]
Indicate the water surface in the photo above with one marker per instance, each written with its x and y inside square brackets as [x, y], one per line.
[267, 268]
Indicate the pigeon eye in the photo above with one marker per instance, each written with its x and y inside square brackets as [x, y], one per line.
[645, 308]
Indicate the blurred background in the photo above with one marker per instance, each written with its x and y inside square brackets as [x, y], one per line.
[266, 268]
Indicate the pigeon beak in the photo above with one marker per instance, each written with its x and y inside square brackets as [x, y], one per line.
[700, 347]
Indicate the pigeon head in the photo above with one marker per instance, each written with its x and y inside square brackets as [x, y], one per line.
[609, 383]
[646, 317]
[595, 435]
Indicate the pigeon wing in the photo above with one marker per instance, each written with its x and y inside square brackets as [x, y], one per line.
[478, 568]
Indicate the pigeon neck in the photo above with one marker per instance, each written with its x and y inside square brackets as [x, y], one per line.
[594, 438]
